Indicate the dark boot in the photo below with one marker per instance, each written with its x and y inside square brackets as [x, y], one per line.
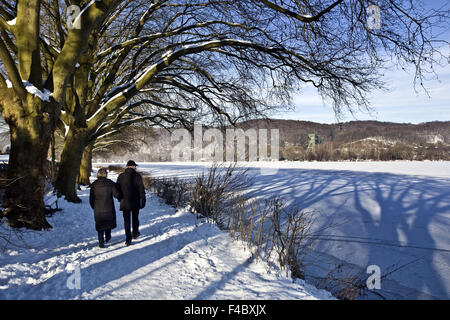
[107, 235]
[101, 240]
[136, 234]
[135, 223]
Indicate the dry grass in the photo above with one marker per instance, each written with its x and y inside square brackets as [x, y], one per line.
[217, 191]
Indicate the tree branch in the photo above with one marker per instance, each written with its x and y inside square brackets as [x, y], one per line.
[302, 18]
[76, 43]
[130, 89]
[13, 72]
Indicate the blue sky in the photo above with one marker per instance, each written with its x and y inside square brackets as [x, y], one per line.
[402, 103]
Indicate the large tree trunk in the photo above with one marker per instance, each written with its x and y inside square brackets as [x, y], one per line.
[69, 167]
[30, 139]
[86, 166]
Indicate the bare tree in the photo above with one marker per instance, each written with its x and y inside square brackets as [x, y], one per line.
[229, 60]
[168, 61]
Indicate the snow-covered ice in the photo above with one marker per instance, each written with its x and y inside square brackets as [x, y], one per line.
[176, 257]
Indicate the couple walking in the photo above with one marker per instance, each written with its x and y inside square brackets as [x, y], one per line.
[129, 190]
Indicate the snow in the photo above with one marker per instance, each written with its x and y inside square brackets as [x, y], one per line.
[66, 129]
[48, 43]
[206, 43]
[176, 257]
[166, 55]
[44, 96]
[104, 105]
[84, 10]
[390, 214]
[437, 169]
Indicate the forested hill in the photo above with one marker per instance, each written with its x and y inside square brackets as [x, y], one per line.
[360, 140]
[354, 140]
[296, 132]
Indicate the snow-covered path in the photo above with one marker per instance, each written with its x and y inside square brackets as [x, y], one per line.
[176, 257]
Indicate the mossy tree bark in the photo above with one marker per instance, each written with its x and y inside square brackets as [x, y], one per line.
[29, 118]
[86, 166]
[26, 104]
[30, 138]
[69, 167]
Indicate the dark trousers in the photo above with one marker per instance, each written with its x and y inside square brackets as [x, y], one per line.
[102, 234]
[133, 217]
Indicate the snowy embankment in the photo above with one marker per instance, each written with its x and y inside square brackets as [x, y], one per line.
[176, 257]
[390, 214]
[395, 215]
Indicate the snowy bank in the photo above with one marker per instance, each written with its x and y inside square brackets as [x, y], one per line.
[176, 257]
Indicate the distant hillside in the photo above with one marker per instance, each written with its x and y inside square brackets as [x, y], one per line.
[296, 132]
[355, 140]
[360, 140]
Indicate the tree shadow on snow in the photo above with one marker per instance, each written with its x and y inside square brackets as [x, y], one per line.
[105, 271]
[108, 269]
[380, 219]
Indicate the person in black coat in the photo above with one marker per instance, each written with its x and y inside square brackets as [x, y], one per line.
[133, 198]
[101, 200]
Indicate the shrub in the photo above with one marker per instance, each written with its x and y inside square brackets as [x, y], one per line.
[274, 232]
[173, 190]
[212, 193]
[289, 235]
[115, 168]
[148, 182]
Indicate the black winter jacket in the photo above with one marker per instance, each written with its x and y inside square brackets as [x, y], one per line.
[101, 200]
[132, 190]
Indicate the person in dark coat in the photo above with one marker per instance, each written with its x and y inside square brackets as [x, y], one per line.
[133, 198]
[101, 200]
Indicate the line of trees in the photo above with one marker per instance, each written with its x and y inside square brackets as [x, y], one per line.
[170, 62]
[366, 150]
